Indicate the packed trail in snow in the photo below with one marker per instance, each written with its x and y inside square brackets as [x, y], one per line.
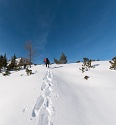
[43, 110]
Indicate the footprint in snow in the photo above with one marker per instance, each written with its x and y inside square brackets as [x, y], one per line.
[38, 105]
[24, 109]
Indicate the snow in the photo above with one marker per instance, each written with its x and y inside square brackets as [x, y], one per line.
[59, 95]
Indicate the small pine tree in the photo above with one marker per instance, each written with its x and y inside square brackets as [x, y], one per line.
[1, 58]
[13, 61]
[86, 65]
[56, 61]
[4, 61]
[113, 63]
[13, 64]
[63, 59]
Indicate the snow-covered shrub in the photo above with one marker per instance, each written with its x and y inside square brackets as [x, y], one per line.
[28, 71]
[78, 61]
[86, 65]
[6, 73]
[83, 69]
[113, 63]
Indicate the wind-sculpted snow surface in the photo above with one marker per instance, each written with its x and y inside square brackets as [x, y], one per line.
[43, 109]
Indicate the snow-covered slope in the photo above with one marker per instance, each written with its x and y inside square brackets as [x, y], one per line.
[59, 96]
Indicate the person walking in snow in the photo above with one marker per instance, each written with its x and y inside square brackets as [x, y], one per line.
[47, 62]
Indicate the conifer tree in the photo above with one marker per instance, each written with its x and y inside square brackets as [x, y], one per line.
[86, 65]
[1, 58]
[13, 64]
[63, 59]
[113, 63]
[4, 61]
[13, 61]
[56, 61]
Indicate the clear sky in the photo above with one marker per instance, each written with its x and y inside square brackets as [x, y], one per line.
[79, 28]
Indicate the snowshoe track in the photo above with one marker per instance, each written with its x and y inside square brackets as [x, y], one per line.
[43, 109]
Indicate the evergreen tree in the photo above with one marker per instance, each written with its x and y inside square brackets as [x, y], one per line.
[56, 61]
[87, 62]
[63, 59]
[1, 58]
[113, 63]
[86, 65]
[13, 61]
[4, 61]
[13, 64]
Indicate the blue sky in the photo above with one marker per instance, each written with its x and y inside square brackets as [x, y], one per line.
[79, 28]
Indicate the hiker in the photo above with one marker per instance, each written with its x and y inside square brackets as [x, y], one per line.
[47, 62]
